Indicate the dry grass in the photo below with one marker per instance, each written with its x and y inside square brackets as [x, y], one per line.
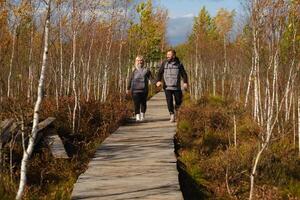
[51, 178]
[205, 137]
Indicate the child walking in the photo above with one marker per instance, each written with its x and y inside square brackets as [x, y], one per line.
[138, 87]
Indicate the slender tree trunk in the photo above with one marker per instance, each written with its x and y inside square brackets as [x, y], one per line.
[105, 78]
[214, 78]
[61, 53]
[30, 70]
[225, 66]
[11, 61]
[249, 84]
[27, 153]
[74, 68]
[87, 88]
[196, 69]
[120, 83]
[69, 78]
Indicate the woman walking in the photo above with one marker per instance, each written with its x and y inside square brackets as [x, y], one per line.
[138, 87]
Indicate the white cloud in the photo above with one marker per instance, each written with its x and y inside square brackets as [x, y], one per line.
[188, 15]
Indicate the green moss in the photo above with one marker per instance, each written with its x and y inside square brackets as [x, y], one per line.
[6, 188]
[184, 127]
[216, 101]
[293, 188]
[214, 141]
[190, 159]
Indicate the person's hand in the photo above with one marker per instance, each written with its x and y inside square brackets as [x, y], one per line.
[185, 86]
[158, 84]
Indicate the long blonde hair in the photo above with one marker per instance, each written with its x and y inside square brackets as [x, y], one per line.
[137, 57]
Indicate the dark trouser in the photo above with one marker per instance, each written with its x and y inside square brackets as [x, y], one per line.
[178, 99]
[140, 102]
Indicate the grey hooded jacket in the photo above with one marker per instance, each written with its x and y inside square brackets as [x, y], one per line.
[138, 80]
[171, 73]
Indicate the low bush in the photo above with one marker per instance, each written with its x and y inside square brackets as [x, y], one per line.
[50, 178]
[205, 136]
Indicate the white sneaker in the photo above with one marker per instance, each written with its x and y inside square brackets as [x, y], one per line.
[142, 116]
[137, 117]
[172, 118]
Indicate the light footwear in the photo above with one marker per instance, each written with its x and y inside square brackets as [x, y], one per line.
[142, 116]
[137, 117]
[172, 118]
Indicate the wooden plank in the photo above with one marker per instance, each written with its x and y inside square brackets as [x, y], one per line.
[7, 135]
[5, 125]
[57, 147]
[136, 162]
[42, 125]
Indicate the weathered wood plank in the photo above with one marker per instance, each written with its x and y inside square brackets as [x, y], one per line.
[136, 162]
[8, 134]
[5, 125]
[42, 125]
[57, 147]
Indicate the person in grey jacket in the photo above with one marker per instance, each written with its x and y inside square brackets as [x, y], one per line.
[138, 87]
[170, 73]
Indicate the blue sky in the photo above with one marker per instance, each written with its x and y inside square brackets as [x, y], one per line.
[182, 12]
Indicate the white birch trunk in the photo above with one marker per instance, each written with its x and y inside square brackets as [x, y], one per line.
[120, 81]
[105, 78]
[30, 70]
[69, 78]
[87, 83]
[27, 153]
[120, 65]
[214, 79]
[11, 62]
[74, 69]
[61, 54]
[249, 84]
[225, 65]
[196, 70]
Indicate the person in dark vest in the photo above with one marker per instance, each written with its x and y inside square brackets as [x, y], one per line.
[138, 87]
[170, 73]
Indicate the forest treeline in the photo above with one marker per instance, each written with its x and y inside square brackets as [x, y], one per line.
[71, 54]
[91, 45]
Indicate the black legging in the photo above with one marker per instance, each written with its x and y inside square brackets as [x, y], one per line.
[178, 99]
[140, 102]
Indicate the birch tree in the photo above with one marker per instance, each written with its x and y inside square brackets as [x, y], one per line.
[27, 153]
[224, 23]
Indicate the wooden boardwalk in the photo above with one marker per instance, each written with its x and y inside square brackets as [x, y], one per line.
[136, 162]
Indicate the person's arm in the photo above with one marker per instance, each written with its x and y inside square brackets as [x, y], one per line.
[160, 73]
[129, 83]
[150, 77]
[183, 74]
